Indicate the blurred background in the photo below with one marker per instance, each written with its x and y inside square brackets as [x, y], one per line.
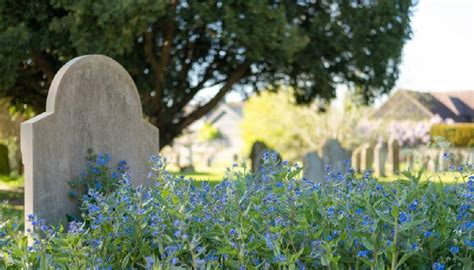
[217, 76]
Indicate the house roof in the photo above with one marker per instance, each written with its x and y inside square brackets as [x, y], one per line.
[456, 105]
[234, 109]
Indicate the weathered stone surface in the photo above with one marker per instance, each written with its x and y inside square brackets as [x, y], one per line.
[366, 157]
[334, 155]
[313, 167]
[92, 103]
[393, 157]
[4, 160]
[355, 159]
[379, 159]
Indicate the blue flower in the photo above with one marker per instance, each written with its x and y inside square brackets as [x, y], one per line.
[445, 155]
[330, 211]
[102, 160]
[403, 217]
[149, 262]
[95, 170]
[122, 166]
[413, 205]
[174, 261]
[327, 168]
[438, 266]
[363, 253]
[268, 241]
[428, 234]
[454, 249]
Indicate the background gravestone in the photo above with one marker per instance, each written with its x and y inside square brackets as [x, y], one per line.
[313, 167]
[393, 157]
[355, 159]
[379, 159]
[4, 161]
[334, 155]
[256, 154]
[443, 163]
[92, 103]
[433, 162]
[366, 157]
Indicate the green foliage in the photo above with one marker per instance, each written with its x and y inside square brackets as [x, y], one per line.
[275, 119]
[460, 134]
[208, 133]
[270, 220]
[174, 49]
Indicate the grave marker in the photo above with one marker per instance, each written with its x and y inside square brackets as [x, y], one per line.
[379, 159]
[92, 103]
[334, 155]
[366, 157]
[313, 167]
[355, 160]
[393, 157]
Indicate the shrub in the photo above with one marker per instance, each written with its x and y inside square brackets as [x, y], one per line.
[269, 220]
[461, 134]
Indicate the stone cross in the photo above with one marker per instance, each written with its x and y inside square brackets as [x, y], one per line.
[313, 167]
[4, 160]
[393, 157]
[92, 103]
[366, 157]
[379, 159]
[334, 155]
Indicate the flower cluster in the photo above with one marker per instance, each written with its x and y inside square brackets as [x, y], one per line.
[272, 219]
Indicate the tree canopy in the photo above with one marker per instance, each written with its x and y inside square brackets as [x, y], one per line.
[175, 49]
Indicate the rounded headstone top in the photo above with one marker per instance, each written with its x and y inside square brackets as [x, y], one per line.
[89, 80]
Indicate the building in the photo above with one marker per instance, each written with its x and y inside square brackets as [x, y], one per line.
[187, 150]
[412, 105]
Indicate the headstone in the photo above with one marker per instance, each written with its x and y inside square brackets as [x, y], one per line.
[256, 154]
[4, 160]
[355, 160]
[433, 163]
[313, 167]
[92, 103]
[366, 157]
[393, 157]
[334, 155]
[470, 157]
[379, 159]
[443, 162]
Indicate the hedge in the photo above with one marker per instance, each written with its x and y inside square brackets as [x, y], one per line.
[461, 134]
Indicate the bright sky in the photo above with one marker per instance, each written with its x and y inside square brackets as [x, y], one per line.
[440, 55]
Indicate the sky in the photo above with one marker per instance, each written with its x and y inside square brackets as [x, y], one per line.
[440, 55]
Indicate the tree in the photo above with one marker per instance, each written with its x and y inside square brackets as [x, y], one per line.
[275, 119]
[174, 49]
